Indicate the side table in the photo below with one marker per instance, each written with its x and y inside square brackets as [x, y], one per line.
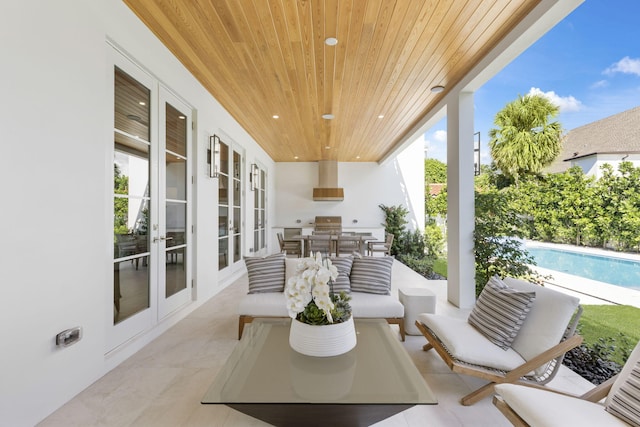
[415, 301]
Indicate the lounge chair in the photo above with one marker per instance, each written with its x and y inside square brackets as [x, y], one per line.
[533, 357]
[525, 406]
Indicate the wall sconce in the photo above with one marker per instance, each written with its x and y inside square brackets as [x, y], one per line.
[254, 177]
[214, 156]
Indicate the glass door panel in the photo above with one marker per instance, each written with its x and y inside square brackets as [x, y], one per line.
[174, 224]
[131, 185]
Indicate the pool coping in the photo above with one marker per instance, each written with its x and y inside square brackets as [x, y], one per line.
[589, 291]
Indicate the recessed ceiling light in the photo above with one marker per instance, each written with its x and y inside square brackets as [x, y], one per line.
[437, 89]
[331, 41]
[142, 103]
[381, 116]
[275, 116]
[328, 116]
[357, 157]
[326, 147]
[295, 157]
[181, 117]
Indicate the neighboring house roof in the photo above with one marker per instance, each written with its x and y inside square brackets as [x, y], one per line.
[619, 133]
[435, 189]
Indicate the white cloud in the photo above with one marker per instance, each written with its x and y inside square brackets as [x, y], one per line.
[626, 66]
[440, 135]
[435, 145]
[565, 103]
[599, 84]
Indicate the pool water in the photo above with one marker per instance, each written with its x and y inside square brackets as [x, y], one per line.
[616, 271]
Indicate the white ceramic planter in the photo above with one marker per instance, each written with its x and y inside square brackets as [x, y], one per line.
[323, 340]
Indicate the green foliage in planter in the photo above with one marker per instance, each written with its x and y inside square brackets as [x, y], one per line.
[411, 243]
[394, 223]
[433, 240]
[341, 312]
[423, 266]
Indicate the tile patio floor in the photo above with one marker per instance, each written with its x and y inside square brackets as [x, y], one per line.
[163, 383]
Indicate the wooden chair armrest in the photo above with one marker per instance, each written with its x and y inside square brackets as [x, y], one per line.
[555, 351]
[600, 391]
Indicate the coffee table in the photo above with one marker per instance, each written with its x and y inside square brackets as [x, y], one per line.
[266, 379]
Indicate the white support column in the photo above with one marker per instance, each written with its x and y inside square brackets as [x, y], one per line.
[460, 208]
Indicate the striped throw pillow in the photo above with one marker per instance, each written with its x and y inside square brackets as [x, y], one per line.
[372, 275]
[266, 274]
[625, 403]
[500, 312]
[342, 282]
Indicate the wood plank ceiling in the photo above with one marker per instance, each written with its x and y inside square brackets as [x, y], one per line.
[261, 58]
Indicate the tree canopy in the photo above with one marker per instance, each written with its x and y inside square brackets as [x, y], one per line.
[526, 139]
[435, 171]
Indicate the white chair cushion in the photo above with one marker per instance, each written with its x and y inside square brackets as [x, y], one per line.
[546, 322]
[467, 344]
[543, 408]
[365, 305]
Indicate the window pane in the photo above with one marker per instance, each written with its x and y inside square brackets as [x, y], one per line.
[130, 288]
[176, 223]
[223, 190]
[176, 129]
[223, 253]
[236, 193]
[176, 177]
[176, 273]
[224, 158]
[132, 101]
[223, 220]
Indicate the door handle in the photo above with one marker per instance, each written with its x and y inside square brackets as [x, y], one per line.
[155, 239]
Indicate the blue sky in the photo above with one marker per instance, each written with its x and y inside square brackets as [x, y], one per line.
[588, 64]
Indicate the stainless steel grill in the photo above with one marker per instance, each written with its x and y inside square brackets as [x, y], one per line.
[328, 224]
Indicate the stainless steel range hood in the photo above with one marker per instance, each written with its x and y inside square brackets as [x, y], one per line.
[327, 190]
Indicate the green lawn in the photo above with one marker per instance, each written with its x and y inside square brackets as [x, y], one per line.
[604, 321]
[440, 267]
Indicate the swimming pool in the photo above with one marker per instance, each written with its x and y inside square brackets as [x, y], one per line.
[616, 271]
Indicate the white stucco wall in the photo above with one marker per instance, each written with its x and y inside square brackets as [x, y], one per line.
[591, 165]
[57, 168]
[366, 186]
[57, 139]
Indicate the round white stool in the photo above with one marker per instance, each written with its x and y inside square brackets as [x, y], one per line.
[415, 301]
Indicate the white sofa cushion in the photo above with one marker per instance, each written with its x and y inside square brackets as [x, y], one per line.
[467, 344]
[268, 304]
[500, 311]
[363, 305]
[543, 408]
[366, 305]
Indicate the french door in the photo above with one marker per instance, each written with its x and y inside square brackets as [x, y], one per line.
[151, 202]
[258, 186]
[230, 207]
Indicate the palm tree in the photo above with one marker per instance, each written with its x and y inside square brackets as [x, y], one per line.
[526, 139]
